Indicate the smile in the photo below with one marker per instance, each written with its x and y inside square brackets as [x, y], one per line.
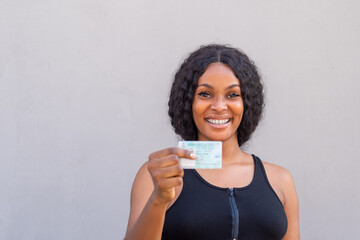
[218, 121]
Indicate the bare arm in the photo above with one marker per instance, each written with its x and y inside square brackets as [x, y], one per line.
[152, 191]
[291, 206]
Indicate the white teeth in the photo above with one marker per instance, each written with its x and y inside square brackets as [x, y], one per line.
[217, 121]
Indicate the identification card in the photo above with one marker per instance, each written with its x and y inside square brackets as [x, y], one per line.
[209, 154]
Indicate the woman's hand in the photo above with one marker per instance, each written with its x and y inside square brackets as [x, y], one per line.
[152, 191]
[166, 172]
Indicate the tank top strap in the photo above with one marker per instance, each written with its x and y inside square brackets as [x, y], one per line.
[260, 172]
[262, 176]
[260, 169]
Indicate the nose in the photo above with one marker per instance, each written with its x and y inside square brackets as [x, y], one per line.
[219, 104]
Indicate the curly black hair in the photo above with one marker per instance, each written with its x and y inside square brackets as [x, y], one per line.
[186, 81]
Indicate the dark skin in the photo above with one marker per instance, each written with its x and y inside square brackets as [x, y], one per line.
[159, 181]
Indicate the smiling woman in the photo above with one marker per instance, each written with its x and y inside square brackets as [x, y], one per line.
[217, 107]
[217, 95]
[186, 82]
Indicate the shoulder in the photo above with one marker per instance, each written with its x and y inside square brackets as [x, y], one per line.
[143, 170]
[142, 180]
[277, 172]
[280, 179]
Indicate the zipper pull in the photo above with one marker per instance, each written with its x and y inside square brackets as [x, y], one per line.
[231, 191]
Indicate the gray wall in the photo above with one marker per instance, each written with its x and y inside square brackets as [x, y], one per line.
[84, 88]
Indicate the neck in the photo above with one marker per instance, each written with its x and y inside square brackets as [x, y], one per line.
[230, 150]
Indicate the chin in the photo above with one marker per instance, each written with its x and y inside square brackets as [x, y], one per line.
[220, 138]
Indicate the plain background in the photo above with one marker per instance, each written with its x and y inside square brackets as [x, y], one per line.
[83, 102]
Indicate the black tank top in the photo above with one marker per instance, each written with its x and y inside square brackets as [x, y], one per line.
[205, 211]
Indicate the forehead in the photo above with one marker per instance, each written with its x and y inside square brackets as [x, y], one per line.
[218, 71]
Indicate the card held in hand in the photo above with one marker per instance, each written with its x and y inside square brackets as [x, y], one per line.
[209, 154]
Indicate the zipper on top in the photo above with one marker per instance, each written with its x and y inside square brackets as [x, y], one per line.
[235, 215]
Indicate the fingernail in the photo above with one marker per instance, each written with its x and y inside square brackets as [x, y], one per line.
[192, 155]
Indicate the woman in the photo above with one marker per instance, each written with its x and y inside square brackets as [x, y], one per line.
[217, 95]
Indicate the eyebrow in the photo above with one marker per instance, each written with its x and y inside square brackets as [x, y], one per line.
[209, 86]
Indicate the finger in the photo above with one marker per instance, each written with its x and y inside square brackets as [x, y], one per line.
[167, 161]
[168, 172]
[166, 183]
[180, 152]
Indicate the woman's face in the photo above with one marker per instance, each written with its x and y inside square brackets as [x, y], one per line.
[217, 107]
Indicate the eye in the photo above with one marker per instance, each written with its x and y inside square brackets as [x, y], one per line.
[204, 94]
[234, 94]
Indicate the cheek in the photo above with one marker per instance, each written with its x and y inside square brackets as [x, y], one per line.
[238, 109]
[197, 109]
